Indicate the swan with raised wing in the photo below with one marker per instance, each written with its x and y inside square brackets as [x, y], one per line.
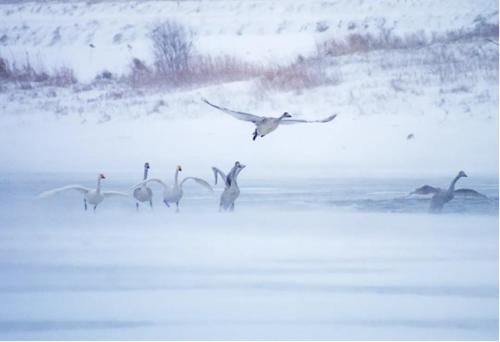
[442, 196]
[265, 125]
[231, 190]
[90, 196]
[174, 194]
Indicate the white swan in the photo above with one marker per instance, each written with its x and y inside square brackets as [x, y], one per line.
[231, 190]
[174, 194]
[142, 193]
[265, 125]
[90, 196]
[441, 197]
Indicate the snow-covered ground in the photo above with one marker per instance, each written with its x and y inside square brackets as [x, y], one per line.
[324, 243]
[446, 95]
[56, 33]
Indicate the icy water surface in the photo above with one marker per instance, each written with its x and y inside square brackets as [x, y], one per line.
[299, 259]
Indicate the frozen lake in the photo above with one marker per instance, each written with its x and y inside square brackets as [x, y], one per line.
[299, 259]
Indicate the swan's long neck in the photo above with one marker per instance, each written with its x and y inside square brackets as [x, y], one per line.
[176, 178]
[98, 190]
[146, 173]
[452, 185]
[233, 175]
[281, 117]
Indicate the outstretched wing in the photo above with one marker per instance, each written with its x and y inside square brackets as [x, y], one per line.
[158, 181]
[238, 115]
[150, 180]
[78, 188]
[470, 192]
[200, 181]
[293, 121]
[425, 190]
[114, 193]
[221, 174]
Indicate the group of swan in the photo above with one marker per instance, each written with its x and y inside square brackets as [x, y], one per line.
[264, 125]
[170, 194]
[441, 196]
[142, 193]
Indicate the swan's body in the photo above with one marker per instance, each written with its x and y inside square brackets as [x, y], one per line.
[231, 190]
[265, 125]
[441, 196]
[90, 196]
[174, 194]
[142, 193]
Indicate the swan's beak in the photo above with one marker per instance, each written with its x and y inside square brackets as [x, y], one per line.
[465, 175]
[102, 176]
[242, 166]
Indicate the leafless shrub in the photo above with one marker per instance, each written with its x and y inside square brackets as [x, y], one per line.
[296, 76]
[25, 74]
[61, 77]
[140, 74]
[445, 64]
[172, 47]
[201, 70]
[387, 40]
[210, 69]
[4, 69]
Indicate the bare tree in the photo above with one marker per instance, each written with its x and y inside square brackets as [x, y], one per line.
[172, 44]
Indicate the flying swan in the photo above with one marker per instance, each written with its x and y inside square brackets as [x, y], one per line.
[441, 197]
[231, 190]
[265, 125]
[174, 194]
[90, 196]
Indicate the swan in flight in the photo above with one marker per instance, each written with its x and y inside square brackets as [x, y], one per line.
[142, 193]
[441, 197]
[265, 125]
[231, 189]
[90, 196]
[175, 193]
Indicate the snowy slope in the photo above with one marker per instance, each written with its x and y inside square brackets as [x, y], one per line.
[56, 33]
[381, 96]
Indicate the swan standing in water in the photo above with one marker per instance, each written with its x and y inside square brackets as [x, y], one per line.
[231, 189]
[441, 197]
[90, 196]
[142, 193]
[265, 125]
[175, 193]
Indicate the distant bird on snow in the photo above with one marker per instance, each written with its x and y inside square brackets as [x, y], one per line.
[441, 197]
[92, 45]
[410, 136]
[265, 125]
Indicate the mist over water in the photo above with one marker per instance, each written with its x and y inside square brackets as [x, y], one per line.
[298, 259]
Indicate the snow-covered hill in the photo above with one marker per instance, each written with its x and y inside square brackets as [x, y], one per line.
[445, 94]
[54, 33]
